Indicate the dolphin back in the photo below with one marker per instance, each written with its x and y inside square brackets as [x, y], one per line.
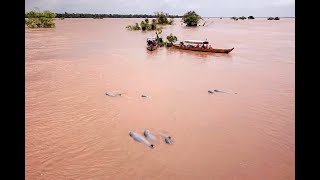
[139, 138]
[149, 135]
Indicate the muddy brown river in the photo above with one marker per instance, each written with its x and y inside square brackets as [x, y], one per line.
[75, 131]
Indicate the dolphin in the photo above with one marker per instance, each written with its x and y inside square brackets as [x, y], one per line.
[113, 95]
[167, 138]
[219, 91]
[139, 138]
[145, 96]
[148, 135]
[215, 91]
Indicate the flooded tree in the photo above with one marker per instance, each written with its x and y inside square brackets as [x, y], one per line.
[191, 18]
[133, 27]
[235, 18]
[143, 26]
[171, 39]
[40, 19]
[154, 24]
[161, 18]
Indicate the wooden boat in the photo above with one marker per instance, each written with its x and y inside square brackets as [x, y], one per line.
[152, 44]
[188, 45]
[152, 47]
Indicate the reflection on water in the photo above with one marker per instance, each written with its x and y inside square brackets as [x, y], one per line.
[75, 131]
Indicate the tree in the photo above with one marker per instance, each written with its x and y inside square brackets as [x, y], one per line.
[171, 39]
[40, 20]
[191, 18]
[161, 18]
[154, 24]
[143, 25]
[234, 18]
[250, 17]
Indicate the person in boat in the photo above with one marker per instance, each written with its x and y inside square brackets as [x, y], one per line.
[197, 46]
[149, 42]
[203, 45]
[154, 43]
[210, 47]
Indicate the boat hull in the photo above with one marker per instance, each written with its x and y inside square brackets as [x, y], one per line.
[152, 48]
[203, 49]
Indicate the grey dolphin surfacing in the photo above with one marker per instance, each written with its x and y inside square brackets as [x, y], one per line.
[139, 138]
[215, 91]
[113, 95]
[219, 91]
[149, 135]
[145, 96]
[167, 138]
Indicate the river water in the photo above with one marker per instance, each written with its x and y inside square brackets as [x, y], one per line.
[75, 131]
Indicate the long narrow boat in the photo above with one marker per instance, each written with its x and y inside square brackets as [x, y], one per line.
[201, 46]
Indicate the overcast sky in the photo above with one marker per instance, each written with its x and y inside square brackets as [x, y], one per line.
[205, 8]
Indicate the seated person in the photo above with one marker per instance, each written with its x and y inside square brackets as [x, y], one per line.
[154, 43]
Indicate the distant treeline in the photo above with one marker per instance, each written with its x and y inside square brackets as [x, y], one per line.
[100, 16]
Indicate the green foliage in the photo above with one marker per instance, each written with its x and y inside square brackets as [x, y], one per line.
[148, 27]
[191, 18]
[40, 19]
[133, 27]
[235, 18]
[143, 25]
[154, 24]
[242, 18]
[162, 18]
[171, 39]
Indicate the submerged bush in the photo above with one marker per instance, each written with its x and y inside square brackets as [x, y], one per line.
[234, 18]
[154, 24]
[143, 26]
[250, 17]
[171, 39]
[40, 20]
[191, 18]
[162, 18]
[133, 27]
